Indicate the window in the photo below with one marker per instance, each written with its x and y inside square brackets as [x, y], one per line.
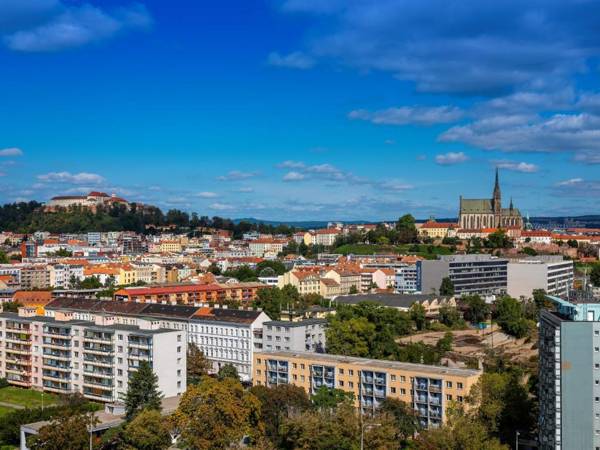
[393, 390]
[393, 377]
[459, 398]
[178, 372]
[294, 365]
[597, 332]
[120, 337]
[341, 371]
[302, 366]
[258, 361]
[402, 378]
[350, 384]
[459, 385]
[120, 372]
[402, 391]
[302, 378]
[449, 384]
[341, 383]
[597, 399]
[351, 372]
[295, 377]
[179, 349]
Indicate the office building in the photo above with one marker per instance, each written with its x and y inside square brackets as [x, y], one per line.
[470, 274]
[94, 358]
[549, 272]
[429, 389]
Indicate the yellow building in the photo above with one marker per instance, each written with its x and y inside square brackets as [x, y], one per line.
[430, 389]
[436, 230]
[170, 247]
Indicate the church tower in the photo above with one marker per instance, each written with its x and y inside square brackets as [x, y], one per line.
[497, 202]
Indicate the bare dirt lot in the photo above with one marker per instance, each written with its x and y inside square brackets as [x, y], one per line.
[473, 342]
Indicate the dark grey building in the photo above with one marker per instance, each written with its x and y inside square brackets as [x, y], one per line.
[303, 336]
[471, 274]
[569, 375]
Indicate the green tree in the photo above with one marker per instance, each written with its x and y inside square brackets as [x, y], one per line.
[353, 290]
[277, 267]
[325, 397]
[142, 392]
[404, 418]
[148, 431]
[270, 301]
[279, 403]
[11, 306]
[498, 239]
[445, 343]
[572, 243]
[67, 432]
[418, 315]
[197, 364]
[406, 229]
[595, 275]
[446, 287]
[451, 317]
[351, 337]
[529, 251]
[509, 317]
[217, 414]
[3, 258]
[477, 310]
[228, 371]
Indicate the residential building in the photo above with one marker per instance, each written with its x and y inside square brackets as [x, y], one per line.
[348, 280]
[470, 274]
[63, 355]
[307, 282]
[429, 389]
[306, 335]
[569, 373]
[225, 336]
[326, 236]
[406, 279]
[35, 277]
[549, 272]
[436, 230]
[185, 294]
[62, 274]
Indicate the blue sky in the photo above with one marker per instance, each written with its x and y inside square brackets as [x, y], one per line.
[302, 109]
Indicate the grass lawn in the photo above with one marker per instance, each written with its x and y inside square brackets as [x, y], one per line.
[5, 410]
[26, 397]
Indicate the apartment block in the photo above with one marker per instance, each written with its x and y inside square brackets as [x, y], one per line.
[95, 358]
[429, 389]
[549, 272]
[471, 274]
[225, 336]
[569, 373]
[304, 335]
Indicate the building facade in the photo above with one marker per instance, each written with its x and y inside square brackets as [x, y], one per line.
[302, 336]
[470, 274]
[549, 272]
[429, 389]
[65, 355]
[569, 375]
[488, 212]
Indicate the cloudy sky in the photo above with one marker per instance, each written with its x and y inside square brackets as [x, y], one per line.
[303, 109]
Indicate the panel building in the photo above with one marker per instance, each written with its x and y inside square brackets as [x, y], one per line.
[429, 389]
[569, 374]
[471, 274]
[95, 358]
[304, 335]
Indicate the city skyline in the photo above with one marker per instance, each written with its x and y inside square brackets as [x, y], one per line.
[302, 110]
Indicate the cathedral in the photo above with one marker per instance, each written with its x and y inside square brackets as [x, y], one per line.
[488, 212]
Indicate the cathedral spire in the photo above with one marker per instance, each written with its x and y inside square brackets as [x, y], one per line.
[497, 184]
[497, 196]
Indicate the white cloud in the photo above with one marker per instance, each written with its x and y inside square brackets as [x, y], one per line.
[451, 158]
[245, 190]
[516, 166]
[72, 178]
[207, 194]
[236, 175]
[409, 115]
[75, 26]
[11, 151]
[294, 176]
[294, 60]
[221, 206]
[570, 182]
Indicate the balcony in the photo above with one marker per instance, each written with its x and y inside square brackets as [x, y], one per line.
[98, 383]
[55, 375]
[19, 350]
[52, 331]
[435, 387]
[98, 373]
[18, 328]
[103, 362]
[98, 338]
[98, 348]
[56, 343]
[63, 368]
[96, 395]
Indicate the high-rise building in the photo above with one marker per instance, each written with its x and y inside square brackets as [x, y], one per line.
[549, 272]
[569, 374]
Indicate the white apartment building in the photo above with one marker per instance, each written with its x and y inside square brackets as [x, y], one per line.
[64, 355]
[406, 279]
[225, 336]
[60, 275]
[548, 272]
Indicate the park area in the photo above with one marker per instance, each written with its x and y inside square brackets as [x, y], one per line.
[12, 398]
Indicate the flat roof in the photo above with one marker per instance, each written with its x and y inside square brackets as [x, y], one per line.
[300, 323]
[374, 363]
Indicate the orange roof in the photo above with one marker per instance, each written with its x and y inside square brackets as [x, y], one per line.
[536, 233]
[432, 224]
[50, 241]
[100, 270]
[304, 274]
[32, 298]
[328, 231]
[177, 289]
